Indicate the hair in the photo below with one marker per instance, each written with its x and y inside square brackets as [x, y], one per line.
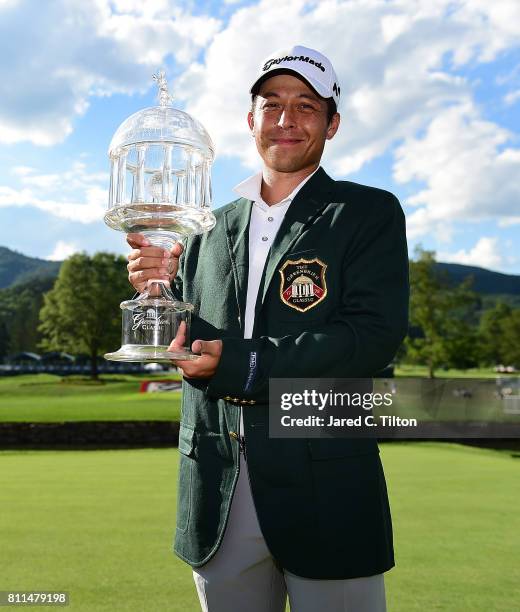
[331, 106]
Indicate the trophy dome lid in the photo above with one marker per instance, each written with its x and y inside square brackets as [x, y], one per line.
[162, 124]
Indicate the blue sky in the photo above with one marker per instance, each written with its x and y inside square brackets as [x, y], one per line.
[430, 108]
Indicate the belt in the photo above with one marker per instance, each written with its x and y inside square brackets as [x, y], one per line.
[236, 401]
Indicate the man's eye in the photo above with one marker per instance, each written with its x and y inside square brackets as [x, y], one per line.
[271, 105]
[306, 108]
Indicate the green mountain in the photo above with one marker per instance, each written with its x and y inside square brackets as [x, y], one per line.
[492, 286]
[16, 268]
[484, 281]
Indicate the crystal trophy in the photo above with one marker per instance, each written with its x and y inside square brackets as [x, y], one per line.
[160, 186]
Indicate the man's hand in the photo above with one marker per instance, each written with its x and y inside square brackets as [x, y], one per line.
[146, 261]
[206, 365]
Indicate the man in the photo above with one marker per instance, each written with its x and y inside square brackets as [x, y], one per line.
[260, 517]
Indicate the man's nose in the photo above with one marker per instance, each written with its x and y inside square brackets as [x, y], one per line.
[287, 118]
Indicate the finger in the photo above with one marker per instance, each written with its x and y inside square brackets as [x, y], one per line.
[137, 240]
[197, 368]
[180, 338]
[181, 333]
[141, 276]
[206, 347]
[149, 252]
[144, 263]
[177, 249]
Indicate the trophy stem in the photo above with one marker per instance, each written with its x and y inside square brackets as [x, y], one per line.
[160, 239]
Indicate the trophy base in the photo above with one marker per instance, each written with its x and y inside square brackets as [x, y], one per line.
[149, 354]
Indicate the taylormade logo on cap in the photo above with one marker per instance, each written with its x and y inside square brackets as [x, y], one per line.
[310, 64]
[292, 58]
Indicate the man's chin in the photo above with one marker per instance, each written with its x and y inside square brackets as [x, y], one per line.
[288, 165]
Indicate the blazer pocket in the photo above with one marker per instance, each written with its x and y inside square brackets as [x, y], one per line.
[186, 439]
[186, 461]
[335, 448]
[305, 254]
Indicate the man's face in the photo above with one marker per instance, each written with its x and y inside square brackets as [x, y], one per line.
[290, 124]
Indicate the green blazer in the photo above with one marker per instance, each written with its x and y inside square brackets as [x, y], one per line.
[322, 504]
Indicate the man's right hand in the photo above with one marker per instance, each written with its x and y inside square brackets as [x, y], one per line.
[146, 261]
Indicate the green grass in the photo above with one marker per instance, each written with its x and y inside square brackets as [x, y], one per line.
[99, 524]
[422, 372]
[436, 400]
[49, 398]
[457, 528]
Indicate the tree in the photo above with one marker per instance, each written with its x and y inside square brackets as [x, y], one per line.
[81, 313]
[5, 341]
[491, 331]
[499, 335]
[461, 326]
[442, 317]
[510, 343]
[19, 311]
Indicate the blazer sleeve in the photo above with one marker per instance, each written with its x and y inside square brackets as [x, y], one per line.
[361, 337]
[199, 327]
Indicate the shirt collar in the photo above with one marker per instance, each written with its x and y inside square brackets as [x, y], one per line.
[250, 189]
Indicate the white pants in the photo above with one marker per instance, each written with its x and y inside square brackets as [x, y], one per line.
[243, 577]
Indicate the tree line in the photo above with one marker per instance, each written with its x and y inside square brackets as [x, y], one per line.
[448, 327]
[79, 313]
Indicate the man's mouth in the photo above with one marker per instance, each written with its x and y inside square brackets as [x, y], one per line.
[286, 141]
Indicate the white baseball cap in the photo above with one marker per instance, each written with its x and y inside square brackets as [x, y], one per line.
[314, 67]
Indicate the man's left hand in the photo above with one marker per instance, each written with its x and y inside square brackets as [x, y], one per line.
[206, 365]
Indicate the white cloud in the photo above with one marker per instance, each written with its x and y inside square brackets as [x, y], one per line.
[514, 220]
[512, 97]
[395, 61]
[22, 170]
[56, 55]
[468, 172]
[150, 8]
[485, 254]
[62, 250]
[74, 194]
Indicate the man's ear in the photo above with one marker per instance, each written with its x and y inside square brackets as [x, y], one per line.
[333, 126]
[251, 121]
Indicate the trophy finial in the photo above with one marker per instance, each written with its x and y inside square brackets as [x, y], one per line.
[164, 96]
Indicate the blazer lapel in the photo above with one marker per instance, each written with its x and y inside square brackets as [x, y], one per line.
[237, 233]
[308, 204]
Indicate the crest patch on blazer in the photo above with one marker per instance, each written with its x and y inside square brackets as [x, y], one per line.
[303, 283]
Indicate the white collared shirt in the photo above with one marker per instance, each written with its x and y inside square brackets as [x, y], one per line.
[263, 227]
[264, 224]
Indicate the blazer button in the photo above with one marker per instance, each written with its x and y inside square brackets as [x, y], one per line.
[234, 435]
